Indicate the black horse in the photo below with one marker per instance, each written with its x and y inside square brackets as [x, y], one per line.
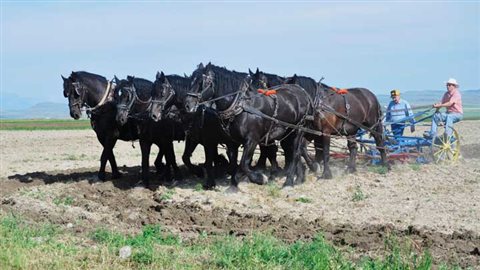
[343, 112]
[94, 92]
[264, 81]
[250, 118]
[133, 98]
[203, 127]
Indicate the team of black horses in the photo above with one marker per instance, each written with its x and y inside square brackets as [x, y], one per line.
[218, 106]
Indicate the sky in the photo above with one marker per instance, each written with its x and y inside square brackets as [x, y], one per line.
[406, 45]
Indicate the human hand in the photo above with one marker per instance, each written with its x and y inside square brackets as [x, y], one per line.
[412, 129]
[436, 105]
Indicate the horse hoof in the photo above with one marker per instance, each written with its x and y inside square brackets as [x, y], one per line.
[287, 184]
[351, 170]
[327, 176]
[209, 186]
[232, 189]
[259, 178]
[316, 168]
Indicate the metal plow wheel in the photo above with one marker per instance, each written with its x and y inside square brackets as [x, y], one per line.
[445, 149]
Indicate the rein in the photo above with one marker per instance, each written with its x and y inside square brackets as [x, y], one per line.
[135, 98]
[81, 101]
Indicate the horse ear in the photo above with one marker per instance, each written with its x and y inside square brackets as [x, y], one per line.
[65, 90]
[158, 75]
[200, 66]
[162, 77]
[130, 78]
[257, 71]
[115, 79]
[250, 72]
[185, 75]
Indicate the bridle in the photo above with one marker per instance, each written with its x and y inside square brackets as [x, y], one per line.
[201, 98]
[81, 90]
[162, 102]
[134, 98]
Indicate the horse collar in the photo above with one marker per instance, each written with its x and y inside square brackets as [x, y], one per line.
[105, 96]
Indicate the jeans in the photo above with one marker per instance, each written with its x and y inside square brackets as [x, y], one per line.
[448, 118]
[397, 130]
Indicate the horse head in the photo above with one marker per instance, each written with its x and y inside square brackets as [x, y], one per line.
[75, 92]
[202, 88]
[124, 95]
[163, 95]
[262, 80]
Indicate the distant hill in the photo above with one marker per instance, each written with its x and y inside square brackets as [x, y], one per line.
[27, 110]
[39, 110]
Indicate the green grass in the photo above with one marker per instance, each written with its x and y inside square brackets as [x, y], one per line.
[43, 124]
[303, 200]
[471, 113]
[67, 201]
[378, 169]
[273, 190]
[358, 195]
[167, 195]
[44, 246]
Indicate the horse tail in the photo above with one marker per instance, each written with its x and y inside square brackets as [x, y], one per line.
[378, 122]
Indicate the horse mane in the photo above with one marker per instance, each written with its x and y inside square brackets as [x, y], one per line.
[180, 84]
[143, 87]
[90, 80]
[274, 79]
[226, 79]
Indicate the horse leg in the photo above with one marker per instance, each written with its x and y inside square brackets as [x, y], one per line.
[158, 162]
[107, 154]
[352, 148]
[327, 174]
[293, 169]
[380, 142]
[170, 160]
[145, 147]
[248, 150]
[272, 157]
[262, 160]
[318, 148]
[210, 155]
[232, 153]
[311, 163]
[113, 163]
[190, 146]
[287, 149]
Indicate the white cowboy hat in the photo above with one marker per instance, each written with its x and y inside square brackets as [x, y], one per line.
[452, 81]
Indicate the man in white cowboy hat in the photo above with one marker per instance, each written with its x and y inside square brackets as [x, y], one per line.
[452, 100]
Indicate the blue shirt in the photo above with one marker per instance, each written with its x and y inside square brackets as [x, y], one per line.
[396, 112]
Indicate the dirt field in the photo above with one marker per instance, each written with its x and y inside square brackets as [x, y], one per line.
[51, 176]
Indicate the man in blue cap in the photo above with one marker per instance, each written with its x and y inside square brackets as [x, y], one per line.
[397, 110]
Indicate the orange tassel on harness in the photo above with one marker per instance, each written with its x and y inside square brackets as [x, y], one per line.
[267, 92]
[342, 91]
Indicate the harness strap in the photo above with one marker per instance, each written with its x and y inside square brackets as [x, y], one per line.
[104, 98]
[280, 122]
[347, 109]
[275, 113]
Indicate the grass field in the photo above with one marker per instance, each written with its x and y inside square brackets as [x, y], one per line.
[45, 246]
[43, 124]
